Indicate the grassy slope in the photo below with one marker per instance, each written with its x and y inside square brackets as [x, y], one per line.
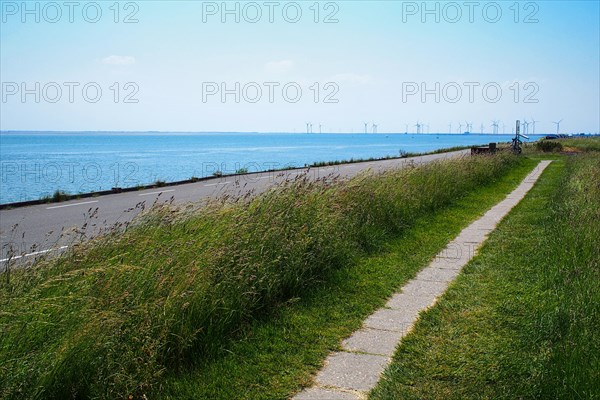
[275, 357]
[582, 143]
[112, 319]
[522, 320]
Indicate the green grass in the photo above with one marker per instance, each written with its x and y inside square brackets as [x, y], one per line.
[56, 197]
[582, 143]
[548, 146]
[522, 319]
[275, 357]
[401, 154]
[177, 289]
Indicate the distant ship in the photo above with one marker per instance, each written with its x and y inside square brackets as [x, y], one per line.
[466, 133]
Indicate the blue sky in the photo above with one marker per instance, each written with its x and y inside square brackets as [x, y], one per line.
[374, 63]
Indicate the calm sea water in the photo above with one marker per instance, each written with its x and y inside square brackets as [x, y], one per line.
[34, 165]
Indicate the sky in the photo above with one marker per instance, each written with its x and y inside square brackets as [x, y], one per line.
[271, 66]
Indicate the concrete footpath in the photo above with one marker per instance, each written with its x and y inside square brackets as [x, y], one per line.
[352, 373]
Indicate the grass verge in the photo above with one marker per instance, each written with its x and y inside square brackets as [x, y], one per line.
[402, 154]
[581, 143]
[275, 357]
[112, 318]
[522, 319]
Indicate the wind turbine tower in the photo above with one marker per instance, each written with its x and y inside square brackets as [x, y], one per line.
[495, 127]
[366, 127]
[469, 126]
[525, 126]
[557, 126]
[533, 121]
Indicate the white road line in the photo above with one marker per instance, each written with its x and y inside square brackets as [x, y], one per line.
[162, 191]
[35, 253]
[71, 205]
[216, 184]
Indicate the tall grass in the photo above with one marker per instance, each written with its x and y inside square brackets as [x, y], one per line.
[109, 318]
[521, 321]
[572, 277]
[582, 143]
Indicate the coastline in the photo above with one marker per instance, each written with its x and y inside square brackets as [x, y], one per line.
[62, 196]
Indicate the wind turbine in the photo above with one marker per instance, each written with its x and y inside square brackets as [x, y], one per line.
[503, 128]
[557, 126]
[450, 127]
[481, 128]
[366, 127]
[469, 126]
[525, 126]
[320, 128]
[418, 125]
[459, 126]
[495, 127]
[533, 121]
[374, 127]
[308, 127]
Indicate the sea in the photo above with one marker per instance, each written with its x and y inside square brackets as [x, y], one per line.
[36, 164]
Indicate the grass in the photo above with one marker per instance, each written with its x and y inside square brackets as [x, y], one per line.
[548, 146]
[401, 154]
[581, 143]
[276, 356]
[56, 197]
[522, 319]
[117, 316]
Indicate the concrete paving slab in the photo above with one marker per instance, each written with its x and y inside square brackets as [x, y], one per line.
[374, 341]
[471, 236]
[456, 255]
[448, 263]
[405, 301]
[484, 224]
[324, 394]
[437, 274]
[352, 371]
[458, 252]
[420, 288]
[391, 320]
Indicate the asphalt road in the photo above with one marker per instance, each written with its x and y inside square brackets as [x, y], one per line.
[32, 231]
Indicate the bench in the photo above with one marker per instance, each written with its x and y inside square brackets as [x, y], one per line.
[489, 149]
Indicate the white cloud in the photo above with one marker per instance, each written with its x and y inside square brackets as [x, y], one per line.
[352, 78]
[118, 60]
[279, 66]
